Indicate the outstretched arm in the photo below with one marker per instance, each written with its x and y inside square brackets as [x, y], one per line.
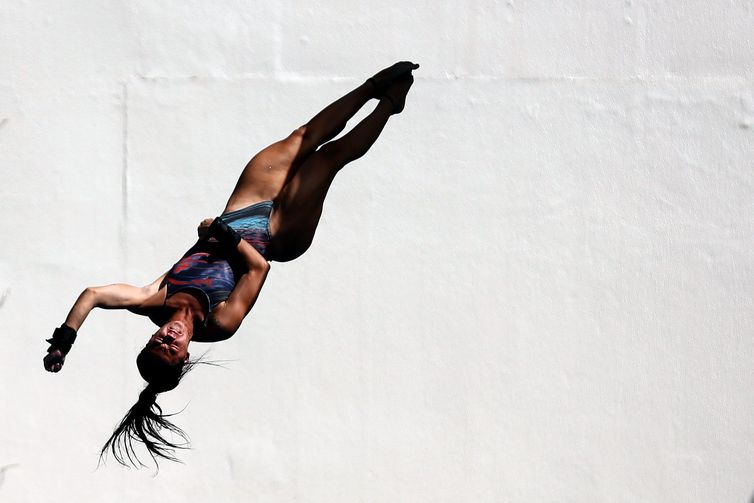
[117, 296]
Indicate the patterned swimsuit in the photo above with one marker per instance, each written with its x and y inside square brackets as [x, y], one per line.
[205, 267]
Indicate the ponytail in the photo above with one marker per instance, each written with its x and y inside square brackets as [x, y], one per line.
[144, 423]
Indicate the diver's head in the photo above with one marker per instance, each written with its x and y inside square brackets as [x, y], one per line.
[169, 344]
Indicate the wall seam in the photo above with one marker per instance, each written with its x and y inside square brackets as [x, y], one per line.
[124, 177]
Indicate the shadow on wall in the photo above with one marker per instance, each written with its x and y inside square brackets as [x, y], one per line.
[4, 469]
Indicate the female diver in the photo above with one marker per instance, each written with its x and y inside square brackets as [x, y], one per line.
[272, 214]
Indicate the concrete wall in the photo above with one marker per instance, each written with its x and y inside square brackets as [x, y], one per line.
[537, 286]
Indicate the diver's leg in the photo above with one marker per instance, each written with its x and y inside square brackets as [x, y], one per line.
[299, 207]
[270, 170]
[265, 174]
[326, 125]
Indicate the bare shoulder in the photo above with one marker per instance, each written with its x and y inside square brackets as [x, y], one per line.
[153, 303]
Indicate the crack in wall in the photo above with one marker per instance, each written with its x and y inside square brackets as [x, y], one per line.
[3, 296]
[4, 469]
[124, 179]
[295, 77]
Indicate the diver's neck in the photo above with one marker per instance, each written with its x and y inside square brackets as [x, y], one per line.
[187, 316]
[187, 309]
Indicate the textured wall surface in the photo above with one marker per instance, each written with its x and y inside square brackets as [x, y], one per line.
[537, 286]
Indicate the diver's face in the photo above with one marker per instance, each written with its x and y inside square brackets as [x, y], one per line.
[170, 342]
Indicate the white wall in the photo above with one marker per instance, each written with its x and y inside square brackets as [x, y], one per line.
[537, 286]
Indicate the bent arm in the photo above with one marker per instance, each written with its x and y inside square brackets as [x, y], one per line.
[117, 296]
[226, 319]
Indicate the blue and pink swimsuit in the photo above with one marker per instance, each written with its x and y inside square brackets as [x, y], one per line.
[207, 268]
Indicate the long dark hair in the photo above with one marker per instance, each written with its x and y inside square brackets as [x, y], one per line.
[145, 421]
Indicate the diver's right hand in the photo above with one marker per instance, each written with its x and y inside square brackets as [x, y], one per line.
[203, 229]
[54, 360]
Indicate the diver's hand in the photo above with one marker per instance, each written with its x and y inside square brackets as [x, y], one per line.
[54, 360]
[203, 229]
[60, 344]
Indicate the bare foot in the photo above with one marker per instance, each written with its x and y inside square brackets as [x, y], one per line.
[383, 79]
[396, 93]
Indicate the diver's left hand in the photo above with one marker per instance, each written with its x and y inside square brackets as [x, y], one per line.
[54, 360]
[203, 229]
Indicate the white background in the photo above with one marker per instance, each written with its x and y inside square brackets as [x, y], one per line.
[537, 285]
